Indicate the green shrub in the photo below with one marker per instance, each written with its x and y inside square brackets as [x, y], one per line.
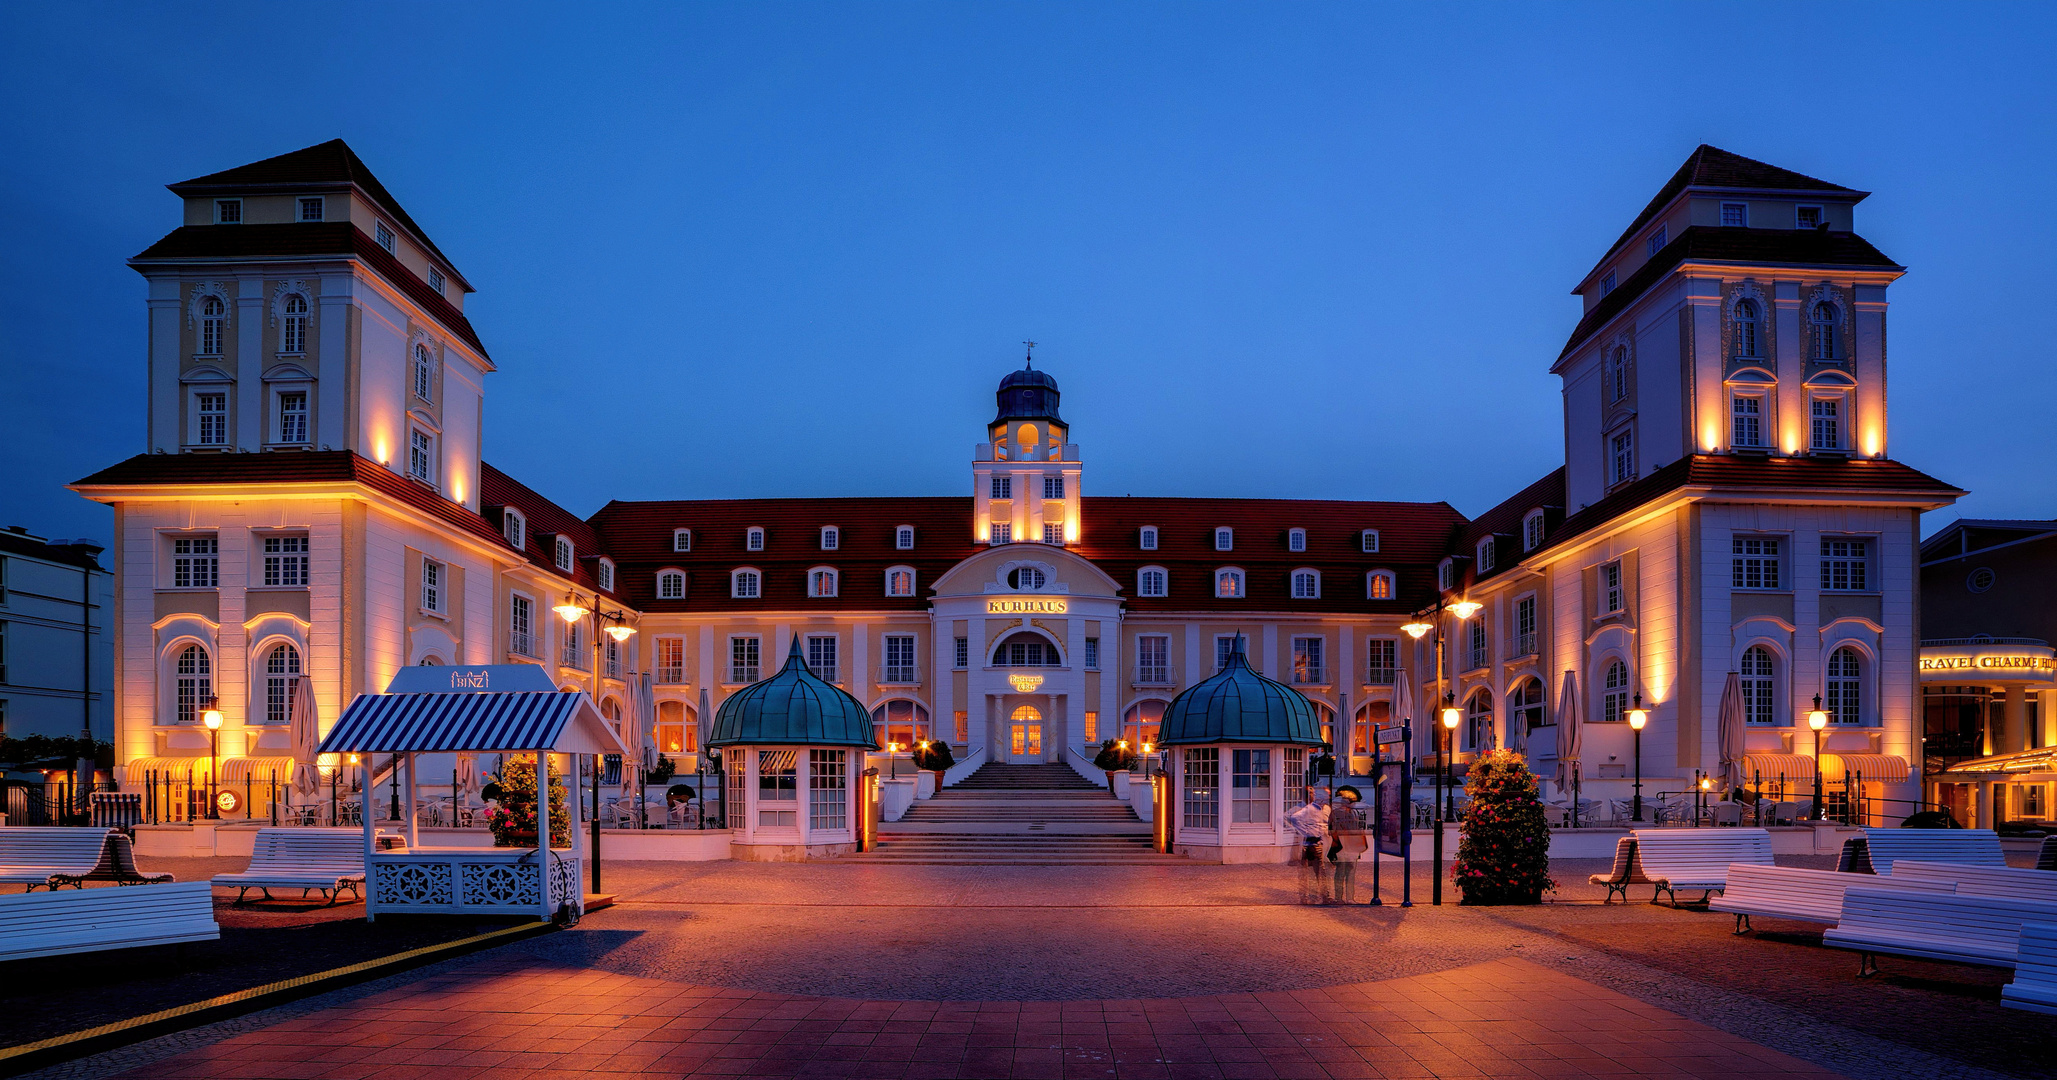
[513, 821]
[1503, 856]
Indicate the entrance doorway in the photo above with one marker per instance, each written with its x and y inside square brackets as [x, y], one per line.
[1025, 736]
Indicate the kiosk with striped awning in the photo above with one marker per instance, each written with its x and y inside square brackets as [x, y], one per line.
[493, 709]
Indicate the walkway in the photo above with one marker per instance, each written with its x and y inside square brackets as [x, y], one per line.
[1019, 815]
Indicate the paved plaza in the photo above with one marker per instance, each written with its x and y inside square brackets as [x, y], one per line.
[826, 969]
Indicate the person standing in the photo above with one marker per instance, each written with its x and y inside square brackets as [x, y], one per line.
[1309, 821]
[1348, 841]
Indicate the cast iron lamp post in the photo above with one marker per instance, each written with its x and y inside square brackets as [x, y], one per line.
[1637, 717]
[210, 715]
[571, 611]
[1817, 720]
[1451, 717]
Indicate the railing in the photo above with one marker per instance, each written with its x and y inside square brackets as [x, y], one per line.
[1155, 675]
[520, 644]
[740, 673]
[671, 674]
[1525, 644]
[1379, 676]
[1479, 658]
[572, 656]
[825, 672]
[1305, 674]
[899, 675]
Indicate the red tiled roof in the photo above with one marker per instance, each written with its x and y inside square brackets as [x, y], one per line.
[1503, 523]
[299, 240]
[1712, 167]
[1717, 244]
[327, 164]
[1757, 473]
[314, 466]
[542, 518]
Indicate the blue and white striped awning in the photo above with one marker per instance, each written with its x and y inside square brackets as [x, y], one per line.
[560, 721]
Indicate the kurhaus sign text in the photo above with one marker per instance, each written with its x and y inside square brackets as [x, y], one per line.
[1025, 607]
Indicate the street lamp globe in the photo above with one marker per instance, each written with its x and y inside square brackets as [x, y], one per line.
[1416, 629]
[210, 714]
[1452, 716]
[1817, 719]
[1637, 715]
[620, 631]
[1465, 609]
[571, 610]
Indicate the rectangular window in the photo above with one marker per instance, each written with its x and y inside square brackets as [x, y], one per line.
[285, 562]
[963, 721]
[1091, 730]
[1487, 550]
[1150, 582]
[1251, 785]
[1622, 453]
[1003, 532]
[961, 659]
[1382, 656]
[1296, 540]
[520, 627]
[1845, 565]
[1092, 654]
[1201, 787]
[682, 539]
[778, 788]
[1610, 588]
[1224, 539]
[311, 208]
[1053, 487]
[743, 660]
[1758, 703]
[214, 419]
[436, 280]
[828, 789]
[431, 585]
[1607, 283]
[1754, 563]
[1657, 240]
[228, 211]
[195, 563]
[421, 457]
[574, 651]
[383, 235]
[671, 660]
[821, 658]
[1307, 666]
[1446, 575]
[1525, 626]
[1369, 539]
[903, 538]
[1828, 429]
[293, 416]
[1735, 215]
[293, 328]
[564, 554]
[831, 538]
[899, 659]
[1807, 217]
[753, 540]
[1053, 534]
[1223, 646]
[1003, 487]
[1747, 416]
[612, 650]
[1147, 538]
[605, 575]
[1481, 650]
[1153, 659]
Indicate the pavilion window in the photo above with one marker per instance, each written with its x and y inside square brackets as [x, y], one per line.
[828, 789]
[1251, 784]
[778, 792]
[1201, 783]
[733, 808]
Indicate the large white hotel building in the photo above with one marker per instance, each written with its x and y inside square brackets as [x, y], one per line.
[312, 498]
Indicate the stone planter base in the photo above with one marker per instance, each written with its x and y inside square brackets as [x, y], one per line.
[789, 852]
[1238, 854]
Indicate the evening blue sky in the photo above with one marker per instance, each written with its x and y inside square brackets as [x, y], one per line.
[1306, 251]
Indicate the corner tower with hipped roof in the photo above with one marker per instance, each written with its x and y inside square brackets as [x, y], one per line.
[1025, 475]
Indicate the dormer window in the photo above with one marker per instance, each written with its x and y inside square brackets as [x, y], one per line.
[1657, 241]
[1607, 283]
[1228, 583]
[1735, 215]
[1296, 540]
[753, 539]
[515, 529]
[671, 585]
[436, 280]
[1368, 540]
[384, 236]
[903, 538]
[1378, 585]
[228, 211]
[1147, 538]
[606, 574]
[1807, 217]
[1446, 575]
[1532, 530]
[565, 554]
[831, 538]
[1486, 552]
[1224, 539]
[682, 539]
[821, 582]
[312, 208]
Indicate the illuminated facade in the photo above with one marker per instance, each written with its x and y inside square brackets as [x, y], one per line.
[1724, 417]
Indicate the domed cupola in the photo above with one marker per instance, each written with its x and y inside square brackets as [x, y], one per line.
[792, 708]
[1238, 705]
[1027, 394]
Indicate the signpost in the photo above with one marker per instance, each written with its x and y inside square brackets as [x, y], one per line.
[1392, 831]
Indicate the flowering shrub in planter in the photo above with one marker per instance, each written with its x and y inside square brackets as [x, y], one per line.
[1503, 856]
[1113, 758]
[513, 819]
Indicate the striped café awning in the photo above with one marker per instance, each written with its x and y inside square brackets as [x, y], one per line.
[560, 721]
[1883, 768]
[1777, 767]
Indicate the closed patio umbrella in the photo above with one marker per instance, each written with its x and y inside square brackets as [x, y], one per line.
[1569, 733]
[1403, 701]
[304, 729]
[467, 775]
[1729, 728]
[635, 734]
[1517, 733]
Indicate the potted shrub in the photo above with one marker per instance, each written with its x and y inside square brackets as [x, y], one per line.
[665, 770]
[934, 757]
[513, 821]
[1503, 855]
[1115, 756]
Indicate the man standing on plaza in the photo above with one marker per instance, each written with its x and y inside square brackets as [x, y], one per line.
[1348, 842]
[1309, 821]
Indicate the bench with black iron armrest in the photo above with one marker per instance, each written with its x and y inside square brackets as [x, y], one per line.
[1878, 849]
[1790, 892]
[91, 920]
[1689, 859]
[1952, 927]
[311, 860]
[1626, 872]
[49, 856]
[2035, 971]
[117, 864]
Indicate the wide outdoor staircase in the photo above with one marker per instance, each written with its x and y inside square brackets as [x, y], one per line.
[1019, 815]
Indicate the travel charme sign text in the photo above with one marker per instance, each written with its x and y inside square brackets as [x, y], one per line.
[1988, 663]
[1025, 607]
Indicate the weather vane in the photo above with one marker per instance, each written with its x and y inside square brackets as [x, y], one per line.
[1031, 360]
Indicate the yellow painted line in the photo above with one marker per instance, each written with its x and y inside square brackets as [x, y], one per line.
[258, 992]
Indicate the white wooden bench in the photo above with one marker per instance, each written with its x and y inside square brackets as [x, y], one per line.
[1953, 927]
[324, 860]
[1789, 892]
[2035, 971]
[1675, 859]
[1879, 849]
[2014, 882]
[92, 920]
[32, 855]
[117, 864]
[2046, 856]
[1625, 872]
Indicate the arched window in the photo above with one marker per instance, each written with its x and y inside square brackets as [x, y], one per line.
[1228, 583]
[1617, 374]
[1525, 705]
[1844, 699]
[1306, 584]
[1378, 585]
[1152, 581]
[900, 581]
[1139, 724]
[671, 585]
[1478, 721]
[903, 722]
[1024, 649]
[424, 373]
[1746, 328]
[281, 674]
[676, 733]
[192, 684]
[821, 582]
[745, 584]
[1614, 696]
[213, 317]
[1026, 578]
[293, 329]
[1759, 690]
[1821, 331]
